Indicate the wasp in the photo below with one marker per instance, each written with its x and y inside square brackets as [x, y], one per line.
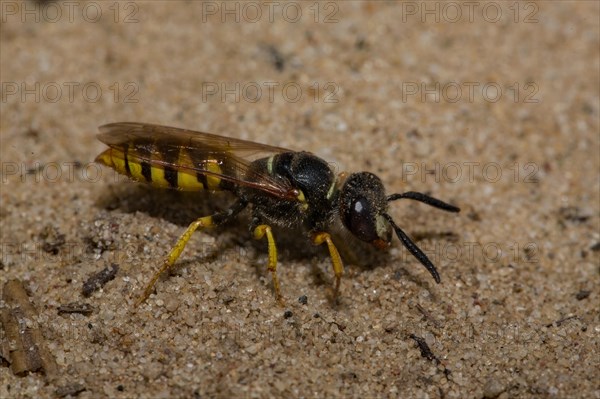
[285, 188]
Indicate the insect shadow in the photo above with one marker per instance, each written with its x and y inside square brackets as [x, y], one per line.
[181, 208]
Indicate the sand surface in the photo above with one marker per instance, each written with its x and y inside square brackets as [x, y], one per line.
[492, 106]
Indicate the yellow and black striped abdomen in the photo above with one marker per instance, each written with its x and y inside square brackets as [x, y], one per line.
[167, 169]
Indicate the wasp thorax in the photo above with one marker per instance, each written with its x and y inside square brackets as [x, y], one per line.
[362, 205]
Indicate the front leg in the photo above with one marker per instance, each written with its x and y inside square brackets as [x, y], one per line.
[336, 260]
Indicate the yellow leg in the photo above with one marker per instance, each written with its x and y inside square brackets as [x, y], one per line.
[336, 259]
[259, 232]
[203, 222]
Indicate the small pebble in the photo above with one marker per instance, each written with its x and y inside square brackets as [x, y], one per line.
[581, 295]
[492, 388]
[172, 304]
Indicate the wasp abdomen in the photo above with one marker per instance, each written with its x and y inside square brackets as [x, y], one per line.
[147, 164]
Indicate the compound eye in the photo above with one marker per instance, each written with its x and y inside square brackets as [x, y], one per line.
[360, 220]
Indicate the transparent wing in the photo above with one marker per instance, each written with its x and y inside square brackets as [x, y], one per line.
[163, 146]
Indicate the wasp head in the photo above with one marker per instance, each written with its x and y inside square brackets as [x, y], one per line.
[363, 205]
[363, 209]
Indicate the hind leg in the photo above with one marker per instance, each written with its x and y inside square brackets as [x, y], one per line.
[201, 223]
